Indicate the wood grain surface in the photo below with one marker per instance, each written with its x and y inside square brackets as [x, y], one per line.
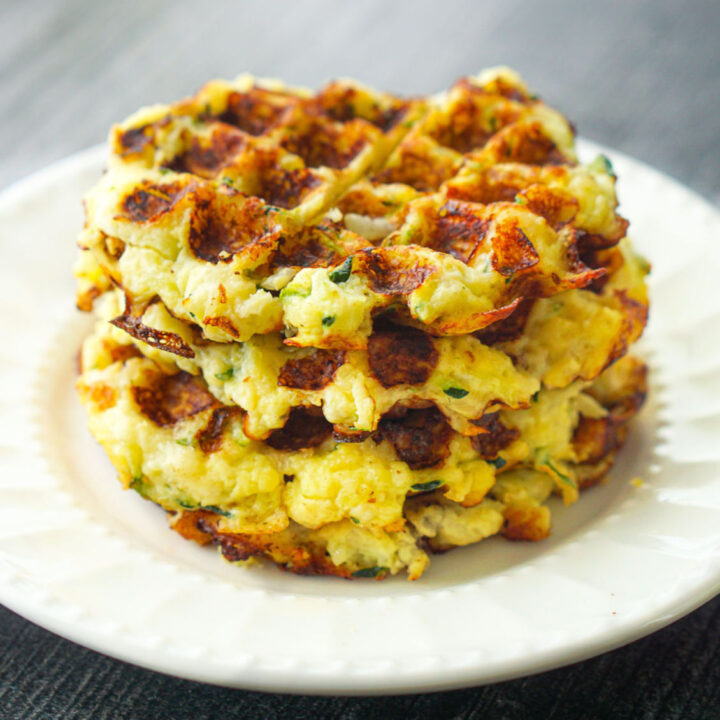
[640, 76]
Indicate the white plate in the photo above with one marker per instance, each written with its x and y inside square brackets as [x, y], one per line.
[98, 565]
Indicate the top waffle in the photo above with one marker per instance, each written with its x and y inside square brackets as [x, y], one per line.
[254, 208]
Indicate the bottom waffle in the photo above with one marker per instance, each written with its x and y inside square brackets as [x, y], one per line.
[316, 503]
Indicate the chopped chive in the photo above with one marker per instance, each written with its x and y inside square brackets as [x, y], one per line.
[497, 462]
[190, 505]
[184, 441]
[355, 520]
[609, 169]
[426, 486]
[328, 320]
[217, 510]
[542, 458]
[370, 572]
[140, 487]
[342, 273]
[565, 478]
[456, 392]
[292, 292]
[520, 200]
[226, 375]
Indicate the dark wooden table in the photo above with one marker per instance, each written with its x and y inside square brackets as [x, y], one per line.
[640, 76]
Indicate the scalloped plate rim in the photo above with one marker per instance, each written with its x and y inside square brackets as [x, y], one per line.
[46, 613]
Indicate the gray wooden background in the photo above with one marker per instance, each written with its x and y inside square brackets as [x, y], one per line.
[642, 76]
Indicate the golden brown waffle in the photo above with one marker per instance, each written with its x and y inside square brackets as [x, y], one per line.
[222, 201]
[545, 342]
[315, 503]
[349, 329]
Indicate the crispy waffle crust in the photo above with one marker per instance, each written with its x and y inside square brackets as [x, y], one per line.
[344, 330]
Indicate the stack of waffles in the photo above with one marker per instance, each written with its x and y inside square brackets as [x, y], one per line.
[344, 330]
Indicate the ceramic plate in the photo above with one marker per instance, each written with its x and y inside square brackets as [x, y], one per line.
[98, 565]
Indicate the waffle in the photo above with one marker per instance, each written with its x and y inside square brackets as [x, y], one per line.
[401, 364]
[316, 504]
[187, 210]
[343, 330]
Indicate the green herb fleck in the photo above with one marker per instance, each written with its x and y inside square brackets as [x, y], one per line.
[535, 396]
[370, 572]
[419, 308]
[225, 375]
[355, 520]
[184, 441]
[561, 475]
[497, 462]
[164, 170]
[141, 487]
[426, 486]
[328, 320]
[192, 315]
[192, 505]
[455, 392]
[217, 510]
[609, 169]
[520, 200]
[542, 458]
[292, 292]
[565, 478]
[227, 181]
[342, 273]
